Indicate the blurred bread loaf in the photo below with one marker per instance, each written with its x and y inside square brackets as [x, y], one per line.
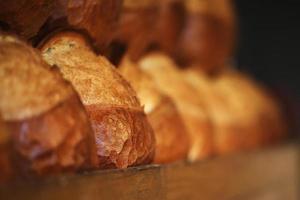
[244, 116]
[234, 129]
[123, 134]
[170, 81]
[48, 128]
[207, 39]
[170, 23]
[172, 140]
[259, 104]
[136, 29]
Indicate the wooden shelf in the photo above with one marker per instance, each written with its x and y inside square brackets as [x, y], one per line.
[268, 174]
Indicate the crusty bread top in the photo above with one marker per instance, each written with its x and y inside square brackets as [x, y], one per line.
[145, 87]
[27, 87]
[95, 79]
[170, 81]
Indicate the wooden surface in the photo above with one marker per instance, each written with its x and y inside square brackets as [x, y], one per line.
[270, 174]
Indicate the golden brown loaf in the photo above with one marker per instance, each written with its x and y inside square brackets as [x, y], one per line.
[170, 81]
[208, 37]
[234, 129]
[136, 28]
[49, 128]
[148, 24]
[19, 15]
[245, 117]
[122, 133]
[172, 142]
[258, 104]
[170, 24]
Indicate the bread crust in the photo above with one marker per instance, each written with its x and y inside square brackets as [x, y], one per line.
[42, 94]
[47, 124]
[19, 15]
[97, 19]
[57, 141]
[136, 30]
[111, 103]
[172, 139]
[233, 132]
[170, 81]
[122, 136]
[208, 37]
[170, 24]
[269, 119]
[245, 117]
[162, 113]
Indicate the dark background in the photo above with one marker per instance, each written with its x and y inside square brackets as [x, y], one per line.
[269, 48]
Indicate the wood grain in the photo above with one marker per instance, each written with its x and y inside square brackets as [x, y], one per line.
[268, 174]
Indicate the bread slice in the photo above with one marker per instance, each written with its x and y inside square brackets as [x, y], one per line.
[172, 140]
[48, 125]
[170, 81]
[122, 132]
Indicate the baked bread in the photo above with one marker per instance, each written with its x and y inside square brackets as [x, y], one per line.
[263, 108]
[135, 32]
[96, 18]
[162, 114]
[170, 81]
[122, 132]
[49, 129]
[170, 24]
[19, 15]
[234, 130]
[208, 37]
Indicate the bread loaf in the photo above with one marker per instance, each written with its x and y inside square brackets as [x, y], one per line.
[233, 130]
[47, 123]
[170, 24]
[208, 37]
[170, 81]
[258, 104]
[122, 133]
[136, 29]
[172, 142]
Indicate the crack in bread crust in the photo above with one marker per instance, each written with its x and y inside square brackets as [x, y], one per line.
[123, 136]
